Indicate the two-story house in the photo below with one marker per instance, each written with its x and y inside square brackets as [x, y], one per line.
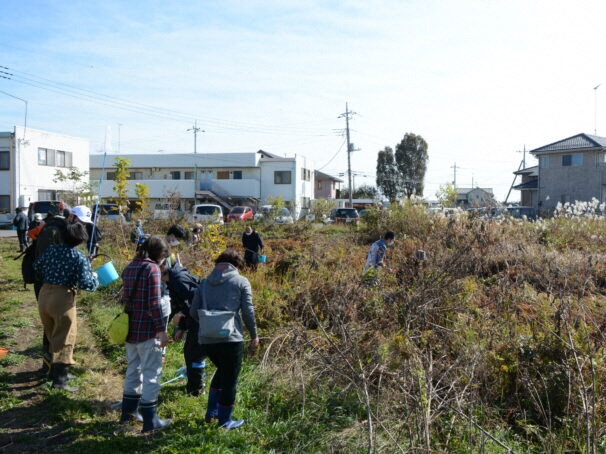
[572, 169]
[228, 179]
[28, 162]
[474, 197]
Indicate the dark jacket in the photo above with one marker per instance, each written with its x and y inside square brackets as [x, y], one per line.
[20, 221]
[252, 242]
[181, 286]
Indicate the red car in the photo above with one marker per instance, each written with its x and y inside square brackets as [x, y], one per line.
[240, 214]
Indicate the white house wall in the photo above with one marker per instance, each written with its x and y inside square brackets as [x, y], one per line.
[27, 176]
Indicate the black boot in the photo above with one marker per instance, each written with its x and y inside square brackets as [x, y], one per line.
[130, 408]
[149, 411]
[46, 364]
[59, 374]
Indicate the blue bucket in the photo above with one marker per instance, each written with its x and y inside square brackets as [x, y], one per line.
[107, 273]
[262, 258]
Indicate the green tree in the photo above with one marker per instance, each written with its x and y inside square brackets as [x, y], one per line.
[411, 162]
[387, 174]
[447, 195]
[121, 182]
[80, 189]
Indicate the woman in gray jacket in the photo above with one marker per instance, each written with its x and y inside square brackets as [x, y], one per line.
[226, 290]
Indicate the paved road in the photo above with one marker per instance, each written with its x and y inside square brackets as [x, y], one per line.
[7, 233]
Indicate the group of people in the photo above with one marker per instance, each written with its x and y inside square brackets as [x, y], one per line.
[157, 289]
[153, 274]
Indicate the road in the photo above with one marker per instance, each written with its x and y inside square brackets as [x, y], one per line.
[7, 233]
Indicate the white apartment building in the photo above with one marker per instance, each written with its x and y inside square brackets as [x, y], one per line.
[28, 162]
[229, 179]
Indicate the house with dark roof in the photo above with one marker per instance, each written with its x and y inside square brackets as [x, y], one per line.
[474, 197]
[570, 170]
[529, 186]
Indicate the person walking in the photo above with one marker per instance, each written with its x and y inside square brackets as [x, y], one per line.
[21, 222]
[226, 290]
[147, 337]
[253, 246]
[64, 270]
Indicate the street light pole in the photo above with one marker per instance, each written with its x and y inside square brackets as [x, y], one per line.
[19, 143]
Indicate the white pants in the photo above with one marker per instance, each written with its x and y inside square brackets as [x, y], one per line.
[144, 370]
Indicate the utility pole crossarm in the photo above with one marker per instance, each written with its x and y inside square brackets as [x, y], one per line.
[348, 114]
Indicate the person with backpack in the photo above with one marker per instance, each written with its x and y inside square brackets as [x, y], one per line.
[64, 270]
[182, 286]
[21, 222]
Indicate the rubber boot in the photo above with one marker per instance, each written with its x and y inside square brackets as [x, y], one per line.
[195, 378]
[59, 375]
[225, 420]
[46, 364]
[212, 410]
[149, 411]
[130, 408]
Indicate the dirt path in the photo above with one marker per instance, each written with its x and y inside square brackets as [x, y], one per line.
[36, 418]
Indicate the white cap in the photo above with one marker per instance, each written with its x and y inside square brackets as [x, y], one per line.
[82, 212]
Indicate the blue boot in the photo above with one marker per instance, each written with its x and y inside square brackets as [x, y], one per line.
[149, 411]
[130, 408]
[225, 420]
[212, 410]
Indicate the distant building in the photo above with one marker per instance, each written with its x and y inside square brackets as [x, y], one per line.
[28, 162]
[474, 197]
[570, 170]
[325, 186]
[529, 186]
[228, 179]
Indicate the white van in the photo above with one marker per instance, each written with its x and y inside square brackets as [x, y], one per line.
[206, 213]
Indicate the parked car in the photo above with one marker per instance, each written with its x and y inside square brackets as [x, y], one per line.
[345, 215]
[110, 211]
[44, 206]
[163, 210]
[6, 219]
[283, 216]
[206, 213]
[241, 213]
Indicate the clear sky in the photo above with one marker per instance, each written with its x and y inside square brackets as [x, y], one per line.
[478, 80]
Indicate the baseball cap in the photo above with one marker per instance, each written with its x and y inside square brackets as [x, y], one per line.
[82, 212]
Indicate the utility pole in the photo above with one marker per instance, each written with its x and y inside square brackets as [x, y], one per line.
[348, 114]
[196, 130]
[454, 182]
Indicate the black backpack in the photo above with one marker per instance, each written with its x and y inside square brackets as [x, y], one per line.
[27, 264]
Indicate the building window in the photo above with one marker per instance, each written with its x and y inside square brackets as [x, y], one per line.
[5, 160]
[60, 158]
[47, 194]
[305, 174]
[111, 176]
[319, 185]
[175, 175]
[305, 202]
[135, 176]
[222, 175]
[5, 204]
[282, 177]
[572, 160]
[189, 175]
[237, 174]
[544, 162]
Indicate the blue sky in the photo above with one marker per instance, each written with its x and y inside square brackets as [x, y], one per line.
[479, 80]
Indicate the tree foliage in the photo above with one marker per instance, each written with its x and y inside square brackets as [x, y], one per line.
[142, 203]
[121, 182]
[387, 174]
[447, 195]
[80, 189]
[411, 161]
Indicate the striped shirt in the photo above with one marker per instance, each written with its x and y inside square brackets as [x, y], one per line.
[63, 265]
[144, 308]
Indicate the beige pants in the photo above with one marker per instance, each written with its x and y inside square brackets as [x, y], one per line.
[57, 307]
